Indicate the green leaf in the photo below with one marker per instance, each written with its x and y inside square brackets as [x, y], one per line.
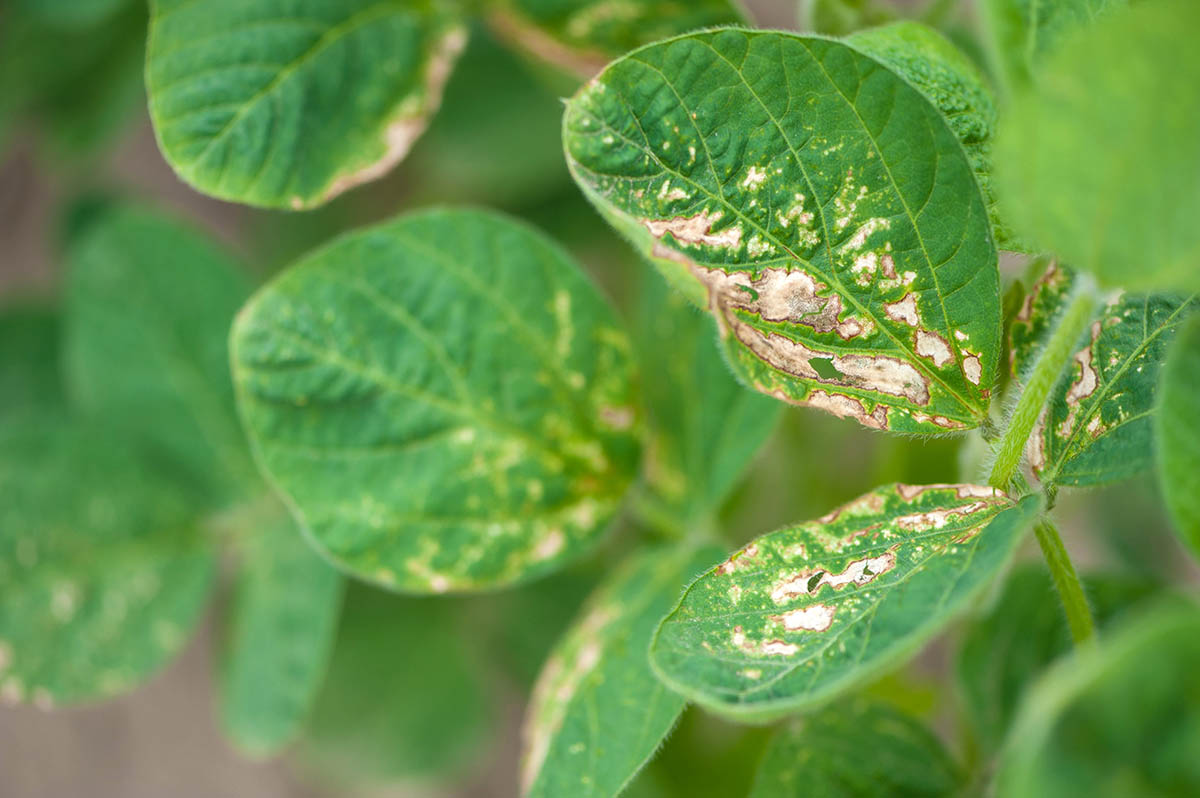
[404, 698]
[598, 713]
[1116, 719]
[29, 364]
[841, 17]
[801, 614]
[1021, 33]
[445, 401]
[1177, 433]
[1096, 426]
[80, 83]
[286, 104]
[149, 302]
[859, 748]
[818, 205]
[1020, 636]
[70, 13]
[102, 576]
[955, 86]
[1097, 161]
[704, 428]
[583, 35]
[278, 639]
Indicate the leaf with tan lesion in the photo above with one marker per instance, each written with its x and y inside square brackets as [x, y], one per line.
[1096, 427]
[817, 205]
[801, 614]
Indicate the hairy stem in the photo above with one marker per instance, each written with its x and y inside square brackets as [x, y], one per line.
[1046, 371]
[1079, 615]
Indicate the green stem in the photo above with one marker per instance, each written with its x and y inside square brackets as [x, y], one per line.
[1079, 615]
[1046, 371]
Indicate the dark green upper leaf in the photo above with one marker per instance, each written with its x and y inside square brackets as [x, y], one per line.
[102, 576]
[29, 360]
[287, 103]
[1097, 161]
[279, 637]
[598, 712]
[1178, 433]
[1096, 426]
[704, 427]
[404, 699]
[818, 205]
[583, 35]
[1115, 720]
[808, 611]
[932, 63]
[1022, 32]
[858, 749]
[149, 304]
[1023, 633]
[445, 401]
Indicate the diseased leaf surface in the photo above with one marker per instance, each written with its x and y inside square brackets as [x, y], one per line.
[1096, 426]
[1177, 433]
[1024, 632]
[818, 205]
[931, 62]
[278, 639]
[1117, 719]
[1023, 32]
[857, 749]
[405, 698]
[805, 612]
[1097, 161]
[287, 103]
[101, 575]
[445, 401]
[598, 712]
[704, 427]
[149, 304]
[584, 35]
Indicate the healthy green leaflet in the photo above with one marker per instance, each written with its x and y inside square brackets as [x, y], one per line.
[857, 749]
[103, 573]
[801, 614]
[818, 205]
[598, 713]
[1096, 161]
[1097, 425]
[444, 400]
[29, 369]
[288, 103]
[278, 637]
[149, 304]
[1177, 433]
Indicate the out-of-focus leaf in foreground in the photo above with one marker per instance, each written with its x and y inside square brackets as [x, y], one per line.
[1097, 160]
[1117, 719]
